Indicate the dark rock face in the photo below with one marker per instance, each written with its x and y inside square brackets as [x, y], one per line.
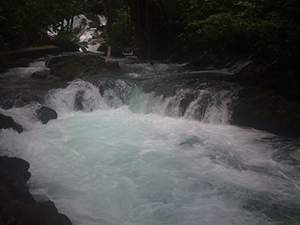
[44, 114]
[79, 66]
[17, 206]
[264, 110]
[8, 122]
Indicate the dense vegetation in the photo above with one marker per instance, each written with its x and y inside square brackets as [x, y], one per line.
[160, 28]
[23, 22]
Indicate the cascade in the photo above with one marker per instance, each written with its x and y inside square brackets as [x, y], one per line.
[154, 146]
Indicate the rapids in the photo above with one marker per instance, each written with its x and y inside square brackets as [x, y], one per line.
[134, 155]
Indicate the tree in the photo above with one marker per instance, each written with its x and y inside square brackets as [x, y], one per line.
[22, 21]
[152, 29]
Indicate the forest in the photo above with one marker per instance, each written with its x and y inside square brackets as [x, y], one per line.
[159, 29]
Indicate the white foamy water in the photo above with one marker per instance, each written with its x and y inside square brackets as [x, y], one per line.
[133, 164]
[23, 72]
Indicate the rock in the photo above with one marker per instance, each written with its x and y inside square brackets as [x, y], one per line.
[66, 45]
[14, 172]
[19, 100]
[78, 105]
[79, 66]
[41, 74]
[41, 213]
[264, 110]
[17, 206]
[185, 102]
[44, 114]
[8, 122]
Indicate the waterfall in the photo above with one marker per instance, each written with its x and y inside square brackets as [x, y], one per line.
[153, 146]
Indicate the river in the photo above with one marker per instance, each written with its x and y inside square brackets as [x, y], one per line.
[134, 154]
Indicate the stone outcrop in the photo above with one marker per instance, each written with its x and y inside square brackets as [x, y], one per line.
[74, 66]
[264, 110]
[17, 206]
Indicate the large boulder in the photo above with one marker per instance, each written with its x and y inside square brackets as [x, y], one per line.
[265, 110]
[44, 114]
[71, 67]
[8, 122]
[17, 206]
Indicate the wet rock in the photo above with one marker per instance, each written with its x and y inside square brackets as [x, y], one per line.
[79, 66]
[8, 122]
[14, 174]
[24, 99]
[185, 102]
[41, 74]
[20, 100]
[17, 206]
[44, 114]
[264, 110]
[78, 104]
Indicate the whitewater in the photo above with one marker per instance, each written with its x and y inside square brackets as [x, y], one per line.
[130, 157]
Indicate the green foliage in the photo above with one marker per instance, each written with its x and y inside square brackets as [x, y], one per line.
[269, 27]
[22, 20]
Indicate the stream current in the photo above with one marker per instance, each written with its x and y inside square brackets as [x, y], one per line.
[128, 151]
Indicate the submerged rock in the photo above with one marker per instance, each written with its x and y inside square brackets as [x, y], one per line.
[17, 206]
[8, 122]
[44, 114]
[71, 67]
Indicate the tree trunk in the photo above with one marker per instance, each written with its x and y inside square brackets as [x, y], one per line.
[154, 37]
[108, 54]
[148, 33]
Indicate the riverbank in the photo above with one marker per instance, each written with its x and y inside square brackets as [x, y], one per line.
[269, 98]
[17, 206]
[22, 57]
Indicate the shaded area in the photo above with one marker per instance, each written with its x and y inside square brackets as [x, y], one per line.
[17, 206]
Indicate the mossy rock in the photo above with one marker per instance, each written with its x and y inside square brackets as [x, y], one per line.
[79, 66]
